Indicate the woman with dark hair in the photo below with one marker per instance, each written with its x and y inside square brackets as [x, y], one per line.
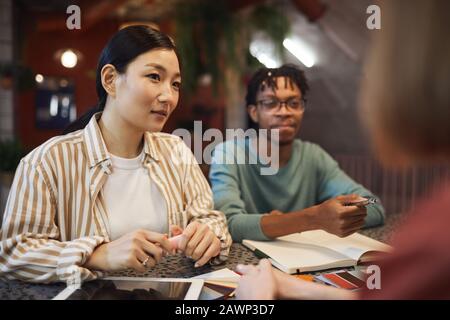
[406, 106]
[106, 196]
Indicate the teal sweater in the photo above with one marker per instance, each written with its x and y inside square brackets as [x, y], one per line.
[310, 177]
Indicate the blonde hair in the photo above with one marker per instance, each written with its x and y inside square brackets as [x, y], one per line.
[406, 89]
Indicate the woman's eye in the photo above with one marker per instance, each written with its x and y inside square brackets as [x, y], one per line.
[154, 76]
[177, 85]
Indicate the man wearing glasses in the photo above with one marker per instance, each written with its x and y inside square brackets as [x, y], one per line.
[309, 191]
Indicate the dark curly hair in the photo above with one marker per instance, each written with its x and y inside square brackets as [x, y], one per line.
[266, 77]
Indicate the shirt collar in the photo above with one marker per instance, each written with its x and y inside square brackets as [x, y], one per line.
[150, 147]
[96, 147]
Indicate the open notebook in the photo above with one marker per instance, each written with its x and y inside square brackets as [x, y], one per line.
[317, 250]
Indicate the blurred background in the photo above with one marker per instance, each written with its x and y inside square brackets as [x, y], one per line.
[47, 73]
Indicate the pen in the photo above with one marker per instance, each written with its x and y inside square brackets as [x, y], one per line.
[362, 203]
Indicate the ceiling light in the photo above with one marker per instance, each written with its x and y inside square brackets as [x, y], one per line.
[300, 51]
[39, 78]
[69, 59]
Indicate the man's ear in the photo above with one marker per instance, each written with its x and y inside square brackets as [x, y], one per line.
[109, 76]
[252, 112]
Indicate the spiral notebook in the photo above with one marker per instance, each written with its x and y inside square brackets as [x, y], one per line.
[318, 250]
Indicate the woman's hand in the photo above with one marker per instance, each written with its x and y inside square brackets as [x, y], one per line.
[262, 282]
[257, 282]
[136, 250]
[198, 242]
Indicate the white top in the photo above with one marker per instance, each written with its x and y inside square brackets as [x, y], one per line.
[133, 201]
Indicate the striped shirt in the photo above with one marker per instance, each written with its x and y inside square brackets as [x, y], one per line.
[55, 214]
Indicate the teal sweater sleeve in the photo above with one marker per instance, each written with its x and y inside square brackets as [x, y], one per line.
[334, 182]
[227, 198]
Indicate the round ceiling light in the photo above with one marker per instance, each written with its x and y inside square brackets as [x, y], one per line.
[69, 59]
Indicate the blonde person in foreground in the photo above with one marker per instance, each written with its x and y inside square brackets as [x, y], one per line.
[106, 196]
[406, 106]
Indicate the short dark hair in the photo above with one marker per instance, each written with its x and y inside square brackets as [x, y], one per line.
[266, 77]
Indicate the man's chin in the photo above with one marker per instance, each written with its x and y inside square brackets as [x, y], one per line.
[285, 137]
[284, 141]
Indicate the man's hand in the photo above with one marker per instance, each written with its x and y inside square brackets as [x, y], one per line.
[342, 220]
[257, 282]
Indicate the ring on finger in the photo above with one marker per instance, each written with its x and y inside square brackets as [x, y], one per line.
[144, 263]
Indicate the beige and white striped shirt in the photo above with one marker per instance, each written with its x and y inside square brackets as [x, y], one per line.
[55, 214]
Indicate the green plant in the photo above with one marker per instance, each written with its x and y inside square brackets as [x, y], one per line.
[210, 36]
[271, 21]
[11, 151]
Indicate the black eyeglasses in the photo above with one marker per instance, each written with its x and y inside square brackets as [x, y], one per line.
[274, 104]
